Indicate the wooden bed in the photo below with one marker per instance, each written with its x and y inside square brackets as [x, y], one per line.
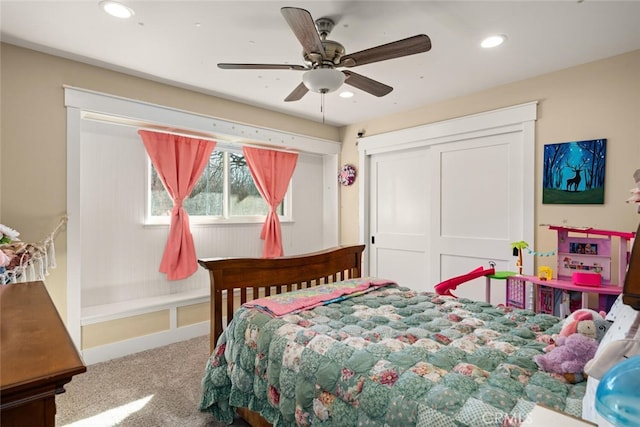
[254, 277]
[235, 281]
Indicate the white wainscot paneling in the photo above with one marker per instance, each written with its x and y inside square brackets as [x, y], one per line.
[121, 256]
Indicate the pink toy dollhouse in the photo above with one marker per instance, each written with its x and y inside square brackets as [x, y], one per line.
[584, 267]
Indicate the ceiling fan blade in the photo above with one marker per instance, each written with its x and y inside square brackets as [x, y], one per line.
[227, 66]
[397, 49]
[304, 28]
[366, 84]
[297, 93]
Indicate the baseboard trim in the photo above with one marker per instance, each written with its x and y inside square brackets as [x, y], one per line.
[147, 342]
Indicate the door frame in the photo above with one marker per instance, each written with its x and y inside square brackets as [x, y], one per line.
[518, 118]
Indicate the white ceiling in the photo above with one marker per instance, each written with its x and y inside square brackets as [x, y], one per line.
[180, 42]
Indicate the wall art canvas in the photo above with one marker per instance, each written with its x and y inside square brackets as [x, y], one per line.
[573, 172]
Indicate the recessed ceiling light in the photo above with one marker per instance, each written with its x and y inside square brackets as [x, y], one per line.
[493, 41]
[116, 9]
[346, 94]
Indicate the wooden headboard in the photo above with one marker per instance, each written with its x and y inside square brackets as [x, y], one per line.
[238, 280]
[631, 289]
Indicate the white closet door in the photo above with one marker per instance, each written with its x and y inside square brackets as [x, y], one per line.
[442, 211]
[445, 198]
[400, 216]
[476, 209]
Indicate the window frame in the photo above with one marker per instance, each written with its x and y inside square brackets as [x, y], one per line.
[225, 218]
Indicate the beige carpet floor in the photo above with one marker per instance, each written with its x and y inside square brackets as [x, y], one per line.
[159, 387]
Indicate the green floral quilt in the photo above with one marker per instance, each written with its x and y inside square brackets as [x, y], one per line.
[390, 357]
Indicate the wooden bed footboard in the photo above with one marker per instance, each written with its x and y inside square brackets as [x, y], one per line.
[235, 281]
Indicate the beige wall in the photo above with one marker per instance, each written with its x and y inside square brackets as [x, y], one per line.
[596, 100]
[125, 328]
[33, 136]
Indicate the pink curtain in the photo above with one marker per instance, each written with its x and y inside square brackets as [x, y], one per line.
[179, 161]
[271, 171]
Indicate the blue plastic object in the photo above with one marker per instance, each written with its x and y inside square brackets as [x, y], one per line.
[618, 394]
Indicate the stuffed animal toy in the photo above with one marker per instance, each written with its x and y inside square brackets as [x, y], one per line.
[569, 358]
[586, 322]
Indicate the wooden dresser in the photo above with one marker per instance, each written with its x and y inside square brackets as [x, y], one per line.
[37, 356]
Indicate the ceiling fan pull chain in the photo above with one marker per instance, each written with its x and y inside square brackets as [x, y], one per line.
[322, 105]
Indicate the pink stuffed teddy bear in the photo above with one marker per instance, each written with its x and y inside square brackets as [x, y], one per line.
[569, 358]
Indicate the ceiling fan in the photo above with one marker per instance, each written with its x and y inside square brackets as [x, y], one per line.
[323, 56]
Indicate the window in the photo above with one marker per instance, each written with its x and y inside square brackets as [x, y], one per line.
[225, 192]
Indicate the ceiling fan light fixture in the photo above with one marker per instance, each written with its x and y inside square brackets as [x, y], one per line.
[323, 80]
[116, 9]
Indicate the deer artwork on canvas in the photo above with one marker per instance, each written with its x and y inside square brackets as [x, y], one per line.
[575, 181]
